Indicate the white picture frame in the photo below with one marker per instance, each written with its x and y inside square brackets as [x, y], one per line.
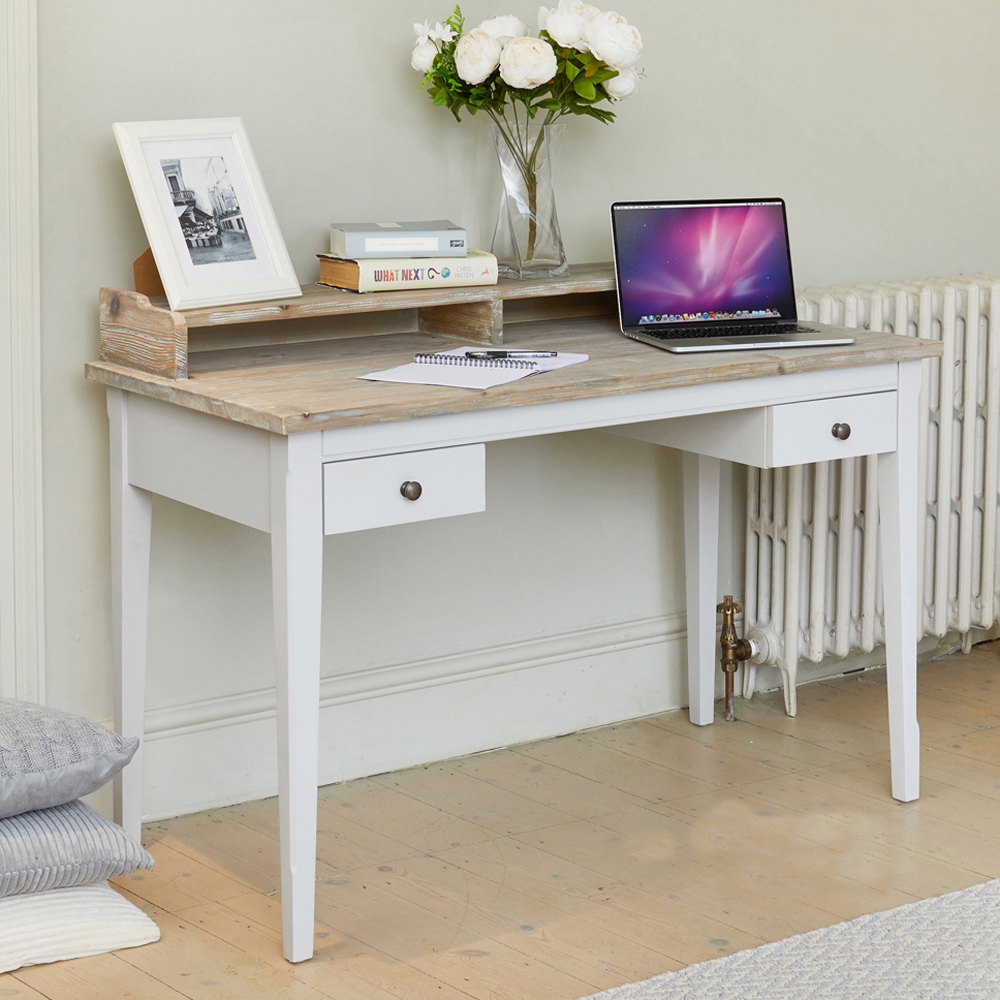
[203, 204]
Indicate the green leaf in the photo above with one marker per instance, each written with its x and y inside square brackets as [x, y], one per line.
[585, 89]
[456, 22]
[572, 72]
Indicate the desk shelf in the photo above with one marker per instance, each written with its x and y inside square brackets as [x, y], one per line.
[143, 333]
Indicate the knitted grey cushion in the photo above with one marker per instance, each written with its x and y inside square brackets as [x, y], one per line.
[49, 757]
[63, 846]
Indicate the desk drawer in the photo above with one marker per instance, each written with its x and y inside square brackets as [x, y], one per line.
[799, 433]
[769, 437]
[366, 492]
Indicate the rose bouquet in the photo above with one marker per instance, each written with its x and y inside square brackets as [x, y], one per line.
[581, 58]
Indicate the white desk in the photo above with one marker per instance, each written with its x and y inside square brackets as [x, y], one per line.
[287, 440]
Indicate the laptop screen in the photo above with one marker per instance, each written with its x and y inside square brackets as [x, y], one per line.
[702, 262]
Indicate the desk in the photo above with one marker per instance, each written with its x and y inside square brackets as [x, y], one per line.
[288, 440]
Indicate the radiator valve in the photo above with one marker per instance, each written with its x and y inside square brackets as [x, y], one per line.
[734, 649]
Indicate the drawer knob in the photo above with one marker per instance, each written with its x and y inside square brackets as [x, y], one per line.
[411, 490]
[842, 431]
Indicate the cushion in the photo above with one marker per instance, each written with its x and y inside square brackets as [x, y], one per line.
[69, 923]
[62, 846]
[49, 757]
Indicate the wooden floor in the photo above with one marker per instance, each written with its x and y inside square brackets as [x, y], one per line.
[565, 867]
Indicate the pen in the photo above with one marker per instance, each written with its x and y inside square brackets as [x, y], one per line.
[511, 354]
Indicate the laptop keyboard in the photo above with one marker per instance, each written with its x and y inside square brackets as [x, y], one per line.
[749, 330]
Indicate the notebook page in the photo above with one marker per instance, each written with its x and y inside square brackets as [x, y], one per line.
[460, 376]
[469, 376]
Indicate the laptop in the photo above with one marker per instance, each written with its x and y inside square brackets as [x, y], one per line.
[709, 276]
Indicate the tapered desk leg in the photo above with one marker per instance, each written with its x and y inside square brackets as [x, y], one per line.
[701, 561]
[131, 514]
[898, 527]
[297, 574]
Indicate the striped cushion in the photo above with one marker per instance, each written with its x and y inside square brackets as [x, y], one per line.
[69, 923]
[49, 757]
[63, 846]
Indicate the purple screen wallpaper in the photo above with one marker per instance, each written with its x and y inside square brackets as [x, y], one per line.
[684, 263]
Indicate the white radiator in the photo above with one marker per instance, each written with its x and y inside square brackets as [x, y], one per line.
[813, 576]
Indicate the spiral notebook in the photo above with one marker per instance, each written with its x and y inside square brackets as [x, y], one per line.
[453, 368]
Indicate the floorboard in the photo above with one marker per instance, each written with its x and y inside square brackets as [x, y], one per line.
[564, 867]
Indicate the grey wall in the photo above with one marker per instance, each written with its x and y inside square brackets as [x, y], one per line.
[877, 122]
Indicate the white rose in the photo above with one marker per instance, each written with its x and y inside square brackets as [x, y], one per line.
[623, 85]
[503, 27]
[612, 39]
[527, 63]
[543, 12]
[476, 56]
[423, 55]
[566, 25]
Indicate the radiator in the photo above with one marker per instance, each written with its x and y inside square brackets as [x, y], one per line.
[813, 575]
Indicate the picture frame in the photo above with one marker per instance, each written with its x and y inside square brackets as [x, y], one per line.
[207, 216]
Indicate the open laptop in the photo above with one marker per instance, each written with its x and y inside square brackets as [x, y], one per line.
[709, 276]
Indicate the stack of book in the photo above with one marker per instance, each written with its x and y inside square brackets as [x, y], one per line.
[390, 256]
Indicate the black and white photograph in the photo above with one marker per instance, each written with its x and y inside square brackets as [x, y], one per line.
[208, 210]
[203, 203]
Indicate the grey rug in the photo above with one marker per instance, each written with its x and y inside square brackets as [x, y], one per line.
[946, 948]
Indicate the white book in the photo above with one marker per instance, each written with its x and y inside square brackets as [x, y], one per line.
[435, 238]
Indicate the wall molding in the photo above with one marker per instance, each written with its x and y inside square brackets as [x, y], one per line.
[202, 755]
[401, 678]
[22, 644]
[206, 754]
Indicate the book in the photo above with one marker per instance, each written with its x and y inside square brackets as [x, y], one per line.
[391, 274]
[453, 368]
[436, 238]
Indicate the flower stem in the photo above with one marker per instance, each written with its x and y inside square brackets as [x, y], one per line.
[516, 137]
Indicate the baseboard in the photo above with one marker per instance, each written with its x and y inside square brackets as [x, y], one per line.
[208, 754]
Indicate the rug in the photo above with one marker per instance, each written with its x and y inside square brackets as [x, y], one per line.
[945, 948]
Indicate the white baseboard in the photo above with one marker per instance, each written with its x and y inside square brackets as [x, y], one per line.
[203, 755]
[208, 754]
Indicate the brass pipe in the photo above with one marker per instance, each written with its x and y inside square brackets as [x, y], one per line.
[734, 650]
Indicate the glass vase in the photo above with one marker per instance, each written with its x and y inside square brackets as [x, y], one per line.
[527, 240]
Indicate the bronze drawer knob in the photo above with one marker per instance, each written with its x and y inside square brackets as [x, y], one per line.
[411, 490]
[842, 431]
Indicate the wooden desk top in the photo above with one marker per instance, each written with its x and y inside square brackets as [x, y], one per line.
[314, 386]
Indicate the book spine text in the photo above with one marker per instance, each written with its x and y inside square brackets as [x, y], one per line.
[470, 271]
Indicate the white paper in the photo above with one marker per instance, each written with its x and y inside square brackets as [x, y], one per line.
[470, 376]
[453, 375]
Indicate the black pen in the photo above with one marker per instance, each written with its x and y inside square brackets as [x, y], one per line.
[490, 355]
